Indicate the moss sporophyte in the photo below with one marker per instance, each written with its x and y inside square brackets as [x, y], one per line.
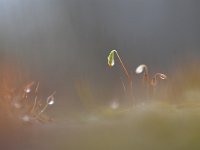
[111, 63]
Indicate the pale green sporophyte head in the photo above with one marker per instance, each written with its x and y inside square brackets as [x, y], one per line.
[111, 58]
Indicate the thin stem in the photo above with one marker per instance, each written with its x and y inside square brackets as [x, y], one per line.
[126, 73]
[155, 78]
[35, 102]
[162, 76]
[146, 73]
[146, 79]
[50, 96]
[123, 66]
[36, 89]
[42, 110]
[153, 84]
[123, 85]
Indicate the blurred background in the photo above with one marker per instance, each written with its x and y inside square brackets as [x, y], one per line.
[59, 40]
[64, 45]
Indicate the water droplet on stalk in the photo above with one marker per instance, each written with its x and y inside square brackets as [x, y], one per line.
[50, 100]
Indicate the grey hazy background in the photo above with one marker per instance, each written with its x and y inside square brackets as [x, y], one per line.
[64, 44]
[60, 41]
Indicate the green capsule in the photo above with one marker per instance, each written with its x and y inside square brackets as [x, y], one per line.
[111, 58]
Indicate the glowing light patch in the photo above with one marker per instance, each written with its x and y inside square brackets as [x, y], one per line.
[26, 118]
[140, 69]
[51, 103]
[50, 100]
[114, 105]
[27, 90]
[17, 105]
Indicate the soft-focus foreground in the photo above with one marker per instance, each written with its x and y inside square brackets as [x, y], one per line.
[167, 119]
